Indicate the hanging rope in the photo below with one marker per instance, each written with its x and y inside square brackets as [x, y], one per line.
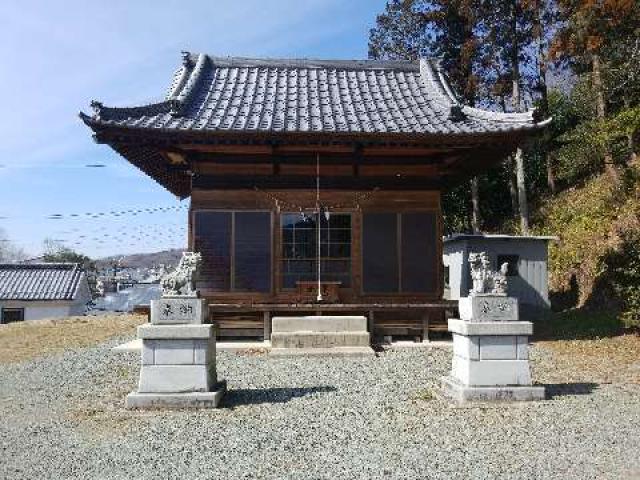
[318, 212]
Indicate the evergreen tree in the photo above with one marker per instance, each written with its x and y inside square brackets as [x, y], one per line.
[443, 29]
[590, 40]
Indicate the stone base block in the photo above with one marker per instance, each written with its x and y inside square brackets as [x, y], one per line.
[491, 347]
[340, 351]
[177, 400]
[198, 351]
[176, 378]
[173, 332]
[489, 373]
[455, 390]
[307, 339]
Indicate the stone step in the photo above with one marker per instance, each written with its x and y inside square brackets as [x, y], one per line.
[318, 323]
[209, 399]
[461, 393]
[319, 339]
[338, 351]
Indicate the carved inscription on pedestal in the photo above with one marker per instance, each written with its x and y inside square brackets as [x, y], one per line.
[497, 309]
[488, 308]
[178, 311]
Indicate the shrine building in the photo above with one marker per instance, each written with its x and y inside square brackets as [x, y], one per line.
[313, 174]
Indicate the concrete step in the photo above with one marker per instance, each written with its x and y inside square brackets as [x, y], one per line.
[320, 339]
[319, 323]
[339, 351]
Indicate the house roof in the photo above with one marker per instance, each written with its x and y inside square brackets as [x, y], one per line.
[40, 281]
[468, 236]
[366, 97]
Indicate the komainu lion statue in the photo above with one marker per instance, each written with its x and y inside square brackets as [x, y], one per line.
[182, 281]
[484, 280]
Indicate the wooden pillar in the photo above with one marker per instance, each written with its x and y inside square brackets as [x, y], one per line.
[371, 323]
[425, 326]
[266, 315]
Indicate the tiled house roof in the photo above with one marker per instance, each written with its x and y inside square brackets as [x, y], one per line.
[40, 281]
[369, 97]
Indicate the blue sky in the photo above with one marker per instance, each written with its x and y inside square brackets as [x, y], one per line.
[58, 56]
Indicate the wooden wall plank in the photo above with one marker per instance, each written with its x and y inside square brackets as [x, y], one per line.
[379, 199]
[307, 182]
[327, 170]
[399, 169]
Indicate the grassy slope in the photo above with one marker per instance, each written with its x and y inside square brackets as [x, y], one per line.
[25, 340]
[587, 346]
[590, 221]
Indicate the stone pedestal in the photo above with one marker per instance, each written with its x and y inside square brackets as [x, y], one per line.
[178, 357]
[490, 354]
[309, 335]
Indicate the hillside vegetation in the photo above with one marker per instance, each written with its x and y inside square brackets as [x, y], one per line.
[596, 262]
[578, 63]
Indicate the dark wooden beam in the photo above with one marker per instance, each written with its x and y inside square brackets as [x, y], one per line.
[325, 159]
[403, 151]
[299, 141]
[308, 182]
[357, 161]
[228, 149]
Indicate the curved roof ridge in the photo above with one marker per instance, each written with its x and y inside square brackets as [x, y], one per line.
[103, 113]
[508, 117]
[180, 76]
[189, 82]
[179, 95]
[431, 71]
[229, 61]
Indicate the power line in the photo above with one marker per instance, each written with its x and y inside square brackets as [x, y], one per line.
[116, 213]
[110, 213]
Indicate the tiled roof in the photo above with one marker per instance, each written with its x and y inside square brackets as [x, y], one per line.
[221, 95]
[468, 236]
[39, 281]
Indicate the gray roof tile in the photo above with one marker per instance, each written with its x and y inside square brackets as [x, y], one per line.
[39, 281]
[259, 95]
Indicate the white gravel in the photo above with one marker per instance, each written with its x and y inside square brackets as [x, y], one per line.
[305, 418]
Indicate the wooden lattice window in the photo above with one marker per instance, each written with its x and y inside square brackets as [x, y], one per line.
[299, 248]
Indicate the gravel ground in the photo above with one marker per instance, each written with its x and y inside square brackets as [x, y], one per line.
[62, 417]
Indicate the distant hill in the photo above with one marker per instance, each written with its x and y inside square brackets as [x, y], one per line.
[143, 260]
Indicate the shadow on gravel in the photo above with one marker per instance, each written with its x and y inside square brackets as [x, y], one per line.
[554, 390]
[238, 397]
